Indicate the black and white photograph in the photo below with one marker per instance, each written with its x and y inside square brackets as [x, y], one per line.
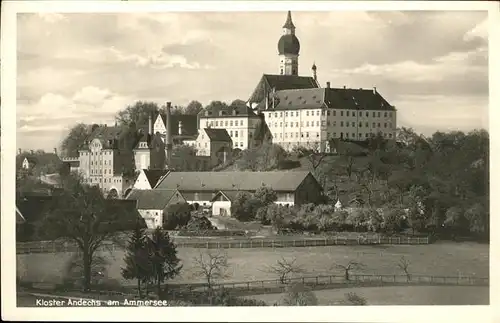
[287, 156]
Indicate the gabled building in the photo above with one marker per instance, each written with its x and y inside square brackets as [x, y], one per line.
[312, 117]
[215, 144]
[29, 162]
[148, 178]
[201, 187]
[299, 112]
[107, 160]
[152, 204]
[240, 122]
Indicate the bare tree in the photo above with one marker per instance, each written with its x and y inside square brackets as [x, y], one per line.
[211, 265]
[284, 268]
[351, 265]
[403, 265]
[349, 165]
[315, 159]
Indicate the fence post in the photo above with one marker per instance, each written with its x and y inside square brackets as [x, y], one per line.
[330, 279]
[303, 281]
[409, 240]
[399, 240]
[272, 243]
[317, 283]
[251, 244]
[262, 243]
[379, 242]
[248, 285]
[294, 242]
[336, 242]
[207, 244]
[394, 278]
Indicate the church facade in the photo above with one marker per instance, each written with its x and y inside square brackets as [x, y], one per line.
[299, 112]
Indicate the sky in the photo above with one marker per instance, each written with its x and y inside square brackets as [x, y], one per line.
[85, 67]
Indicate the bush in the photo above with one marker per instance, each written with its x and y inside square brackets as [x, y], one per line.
[176, 216]
[199, 224]
[245, 206]
[354, 299]
[392, 220]
[299, 295]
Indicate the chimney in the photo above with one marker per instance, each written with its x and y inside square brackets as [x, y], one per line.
[55, 151]
[327, 85]
[19, 151]
[344, 87]
[168, 137]
[180, 127]
[374, 90]
[32, 151]
[150, 124]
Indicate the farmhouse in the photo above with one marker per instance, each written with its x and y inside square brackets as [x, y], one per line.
[148, 178]
[204, 187]
[152, 203]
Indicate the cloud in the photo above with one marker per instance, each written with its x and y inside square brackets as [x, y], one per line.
[51, 17]
[479, 31]
[85, 67]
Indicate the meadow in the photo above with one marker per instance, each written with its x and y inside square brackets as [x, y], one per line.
[442, 258]
[407, 295]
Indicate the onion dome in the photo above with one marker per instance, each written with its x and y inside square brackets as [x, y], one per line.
[289, 44]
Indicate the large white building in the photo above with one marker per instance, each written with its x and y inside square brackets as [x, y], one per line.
[299, 112]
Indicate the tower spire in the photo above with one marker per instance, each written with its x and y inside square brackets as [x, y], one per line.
[289, 23]
[288, 48]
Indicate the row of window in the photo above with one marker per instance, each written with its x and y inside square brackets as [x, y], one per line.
[334, 135]
[92, 153]
[106, 162]
[105, 180]
[332, 112]
[225, 123]
[100, 171]
[329, 123]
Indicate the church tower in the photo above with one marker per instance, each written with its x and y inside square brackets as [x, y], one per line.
[288, 49]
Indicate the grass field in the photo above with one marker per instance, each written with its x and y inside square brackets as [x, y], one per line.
[450, 259]
[408, 295]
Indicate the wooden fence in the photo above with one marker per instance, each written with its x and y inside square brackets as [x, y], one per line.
[255, 287]
[59, 246]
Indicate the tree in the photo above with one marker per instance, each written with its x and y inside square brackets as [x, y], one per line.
[163, 257]
[299, 295]
[193, 108]
[74, 139]
[139, 113]
[266, 195]
[263, 158]
[211, 265]
[374, 220]
[237, 103]
[137, 264]
[393, 218]
[403, 265]
[284, 268]
[478, 219]
[79, 214]
[245, 206]
[351, 265]
[455, 219]
[176, 216]
[185, 159]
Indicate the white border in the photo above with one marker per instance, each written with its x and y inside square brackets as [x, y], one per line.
[268, 314]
